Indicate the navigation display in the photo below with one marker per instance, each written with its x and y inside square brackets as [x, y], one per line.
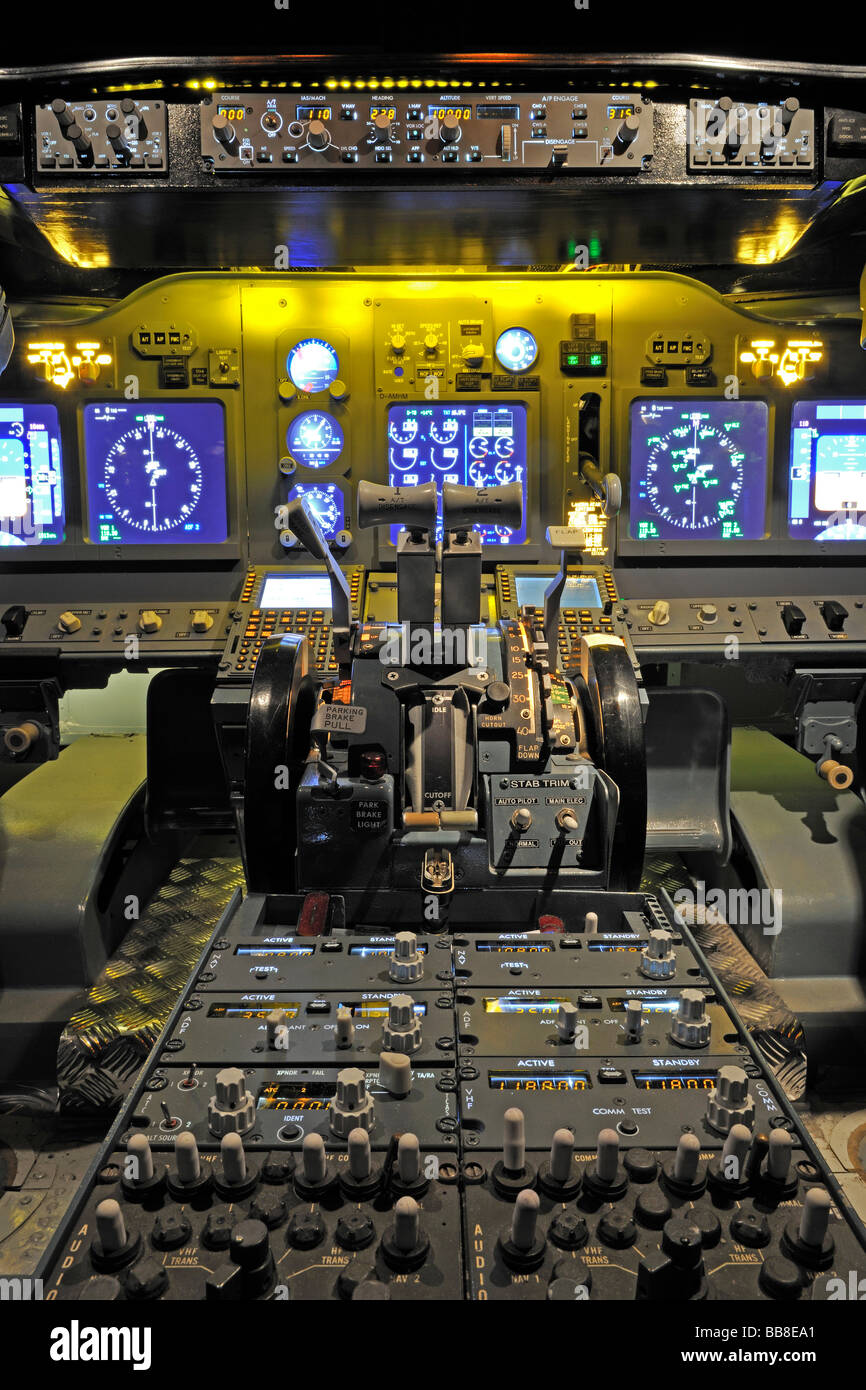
[698, 469]
[32, 508]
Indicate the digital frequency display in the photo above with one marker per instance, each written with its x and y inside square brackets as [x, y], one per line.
[698, 469]
[523, 1006]
[156, 472]
[32, 509]
[581, 590]
[368, 951]
[614, 946]
[295, 591]
[511, 946]
[295, 1095]
[540, 1081]
[674, 1081]
[371, 1010]
[225, 1010]
[274, 950]
[827, 480]
[649, 1006]
[474, 445]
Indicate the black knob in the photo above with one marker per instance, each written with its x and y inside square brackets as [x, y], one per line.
[834, 614]
[249, 1244]
[793, 619]
[681, 1241]
[115, 138]
[449, 129]
[498, 695]
[63, 113]
[14, 619]
[78, 138]
[225, 132]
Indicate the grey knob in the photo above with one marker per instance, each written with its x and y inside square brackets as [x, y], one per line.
[659, 960]
[408, 1159]
[141, 1166]
[351, 1108]
[566, 1021]
[360, 1161]
[277, 1023]
[815, 1218]
[687, 1158]
[186, 1158]
[407, 1224]
[607, 1156]
[345, 1027]
[318, 135]
[561, 1155]
[521, 819]
[231, 1109]
[395, 1073]
[401, 1031]
[735, 1153]
[110, 1226]
[691, 1026]
[590, 924]
[660, 613]
[525, 1219]
[233, 1158]
[314, 1162]
[633, 1020]
[406, 963]
[729, 1102]
[627, 132]
[514, 1141]
[779, 1155]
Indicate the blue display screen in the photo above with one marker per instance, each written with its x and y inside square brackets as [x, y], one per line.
[312, 365]
[581, 591]
[156, 472]
[698, 469]
[32, 508]
[474, 445]
[827, 477]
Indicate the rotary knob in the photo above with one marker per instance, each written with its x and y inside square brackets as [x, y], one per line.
[381, 128]
[68, 622]
[473, 354]
[149, 621]
[397, 343]
[449, 129]
[402, 1029]
[626, 134]
[658, 961]
[202, 621]
[231, 1109]
[729, 1101]
[78, 138]
[407, 962]
[64, 116]
[691, 1026]
[114, 135]
[225, 132]
[660, 613]
[708, 613]
[318, 135]
[351, 1107]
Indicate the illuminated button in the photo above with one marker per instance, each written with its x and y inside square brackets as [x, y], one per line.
[88, 372]
[69, 622]
[201, 621]
[149, 621]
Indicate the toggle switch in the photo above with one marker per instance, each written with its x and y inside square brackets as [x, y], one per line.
[633, 1021]
[521, 819]
[345, 1027]
[557, 1175]
[113, 1246]
[566, 1021]
[511, 1173]
[521, 1247]
[395, 1073]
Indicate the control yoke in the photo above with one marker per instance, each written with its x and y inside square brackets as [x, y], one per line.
[309, 533]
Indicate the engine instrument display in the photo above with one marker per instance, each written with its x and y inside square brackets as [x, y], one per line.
[32, 509]
[698, 469]
[827, 477]
[315, 439]
[156, 472]
[474, 445]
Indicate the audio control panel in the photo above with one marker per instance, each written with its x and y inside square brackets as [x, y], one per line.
[564, 1112]
[734, 136]
[429, 130]
[127, 136]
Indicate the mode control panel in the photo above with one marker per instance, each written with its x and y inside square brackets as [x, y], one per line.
[744, 136]
[446, 130]
[127, 135]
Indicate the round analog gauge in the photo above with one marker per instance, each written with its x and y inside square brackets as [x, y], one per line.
[312, 365]
[479, 473]
[479, 446]
[404, 431]
[504, 472]
[516, 349]
[315, 439]
[325, 502]
[153, 478]
[694, 474]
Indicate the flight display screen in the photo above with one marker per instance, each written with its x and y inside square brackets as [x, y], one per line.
[481, 445]
[827, 475]
[32, 507]
[295, 591]
[156, 472]
[698, 469]
[581, 590]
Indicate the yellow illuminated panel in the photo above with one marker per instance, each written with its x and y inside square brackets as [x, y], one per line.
[794, 360]
[588, 515]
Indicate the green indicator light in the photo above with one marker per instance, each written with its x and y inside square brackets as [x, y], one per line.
[594, 248]
[595, 360]
[573, 360]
